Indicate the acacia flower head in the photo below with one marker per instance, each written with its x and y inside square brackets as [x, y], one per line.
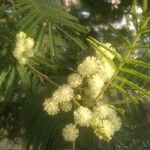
[51, 107]
[89, 66]
[24, 48]
[74, 80]
[63, 94]
[70, 132]
[82, 116]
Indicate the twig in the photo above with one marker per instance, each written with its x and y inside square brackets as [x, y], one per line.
[74, 146]
[43, 76]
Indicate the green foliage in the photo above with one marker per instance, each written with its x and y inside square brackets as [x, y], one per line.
[60, 44]
[49, 22]
[122, 68]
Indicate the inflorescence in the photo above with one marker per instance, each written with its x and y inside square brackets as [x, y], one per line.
[24, 48]
[83, 95]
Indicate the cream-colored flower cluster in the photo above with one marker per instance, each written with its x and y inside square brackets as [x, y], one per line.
[83, 93]
[82, 116]
[105, 121]
[89, 66]
[74, 80]
[60, 100]
[24, 48]
[70, 132]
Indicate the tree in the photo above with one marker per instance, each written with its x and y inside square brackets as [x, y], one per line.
[42, 44]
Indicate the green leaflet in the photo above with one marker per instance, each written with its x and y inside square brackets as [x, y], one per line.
[145, 5]
[24, 77]
[98, 43]
[34, 14]
[139, 63]
[10, 83]
[39, 39]
[121, 89]
[131, 84]
[135, 73]
[142, 47]
[120, 37]
[145, 30]
[3, 76]
[95, 46]
[50, 37]
[74, 39]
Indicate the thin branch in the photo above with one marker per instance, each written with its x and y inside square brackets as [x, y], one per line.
[73, 145]
[75, 102]
[43, 76]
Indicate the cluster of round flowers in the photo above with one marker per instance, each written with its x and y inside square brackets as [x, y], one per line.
[60, 100]
[24, 48]
[105, 121]
[83, 90]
